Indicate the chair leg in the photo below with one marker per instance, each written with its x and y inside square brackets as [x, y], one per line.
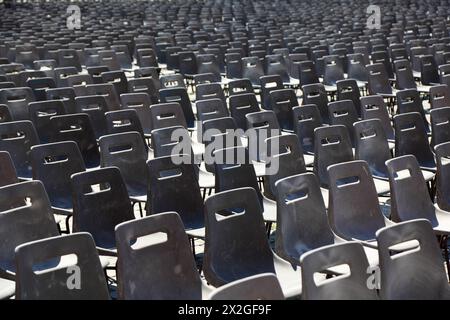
[68, 224]
[140, 209]
[444, 246]
[269, 228]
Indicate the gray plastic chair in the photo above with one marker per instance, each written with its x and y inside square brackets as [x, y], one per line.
[165, 115]
[373, 107]
[20, 223]
[343, 113]
[415, 273]
[155, 261]
[440, 124]
[354, 212]
[43, 274]
[211, 109]
[17, 137]
[442, 175]
[126, 151]
[236, 245]
[306, 119]
[264, 286]
[346, 286]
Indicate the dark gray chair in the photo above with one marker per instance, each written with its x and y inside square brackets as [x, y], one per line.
[155, 261]
[237, 246]
[416, 272]
[8, 173]
[351, 285]
[42, 271]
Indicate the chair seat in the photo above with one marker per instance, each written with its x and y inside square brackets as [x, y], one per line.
[424, 89]
[198, 233]
[206, 179]
[329, 88]
[443, 218]
[289, 278]
[7, 288]
[309, 159]
[270, 210]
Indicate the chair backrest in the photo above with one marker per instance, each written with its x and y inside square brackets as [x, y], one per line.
[306, 119]
[188, 63]
[284, 159]
[117, 79]
[146, 85]
[175, 80]
[354, 212]
[180, 96]
[141, 103]
[372, 146]
[40, 114]
[428, 70]
[276, 64]
[307, 73]
[263, 286]
[210, 91]
[357, 67]
[281, 102]
[302, 222]
[108, 91]
[373, 107]
[206, 78]
[100, 202]
[343, 113]
[442, 152]
[161, 267]
[17, 138]
[348, 90]
[207, 63]
[17, 100]
[411, 138]
[127, 152]
[440, 125]
[125, 120]
[269, 84]
[334, 70]
[252, 69]
[409, 100]
[381, 57]
[409, 194]
[5, 113]
[240, 86]
[404, 75]
[233, 65]
[347, 286]
[44, 268]
[332, 145]
[67, 95]
[439, 96]
[378, 79]
[173, 186]
[316, 94]
[165, 115]
[416, 273]
[240, 105]
[53, 164]
[23, 221]
[77, 127]
[211, 109]
[8, 172]
[236, 245]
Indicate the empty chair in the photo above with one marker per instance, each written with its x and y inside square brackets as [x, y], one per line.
[307, 73]
[348, 90]
[39, 86]
[439, 96]
[354, 212]
[211, 109]
[428, 70]
[188, 64]
[282, 102]
[141, 103]
[17, 100]
[17, 138]
[316, 94]
[5, 114]
[165, 115]
[416, 273]
[117, 79]
[209, 91]
[22, 223]
[348, 286]
[175, 80]
[306, 119]
[240, 86]
[51, 256]
[333, 71]
[146, 58]
[440, 125]
[100, 202]
[240, 105]
[7, 170]
[252, 69]
[343, 113]
[68, 58]
[173, 186]
[379, 81]
[78, 128]
[155, 261]
[180, 96]
[411, 138]
[229, 257]
[207, 63]
[40, 114]
[67, 95]
[442, 190]
[276, 65]
[108, 58]
[269, 84]
[373, 107]
[263, 286]
[146, 85]
[357, 67]
[206, 78]
[404, 75]
[108, 91]
[125, 120]
[95, 107]
[261, 126]
[233, 63]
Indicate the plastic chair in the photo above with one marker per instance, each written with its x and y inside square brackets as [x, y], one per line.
[154, 260]
[180, 96]
[17, 138]
[165, 115]
[343, 113]
[95, 107]
[241, 105]
[252, 69]
[17, 100]
[415, 273]
[316, 94]
[282, 102]
[211, 109]
[348, 286]
[40, 114]
[7, 169]
[210, 91]
[409, 101]
[146, 85]
[348, 90]
[249, 254]
[240, 86]
[411, 138]
[141, 103]
[52, 280]
[373, 107]
[67, 95]
[263, 286]
[439, 96]
[269, 84]
[404, 75]
[100, 202]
